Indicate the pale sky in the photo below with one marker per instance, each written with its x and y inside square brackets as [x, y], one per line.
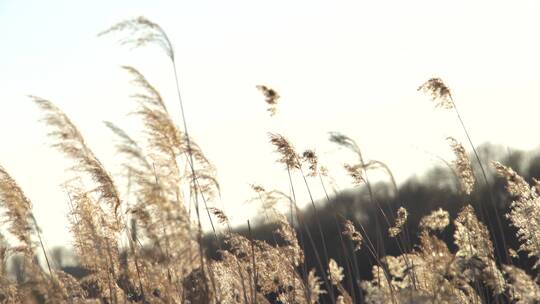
[347, 66]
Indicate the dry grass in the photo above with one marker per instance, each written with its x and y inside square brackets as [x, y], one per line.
[164, 261]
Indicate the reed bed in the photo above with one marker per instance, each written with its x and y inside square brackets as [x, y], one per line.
[154, 251]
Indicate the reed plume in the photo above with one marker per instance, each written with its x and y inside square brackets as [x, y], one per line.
[309, 157]
[462, 166]
[141, 32]
[475, 251]
[350, 231]
[23, 225]
[167, 142]
[438, 220]
[95, 241]
[355, 172]
[18, 212]
[524, 211]
[285, 149]
[270, 97]
[69, 141]
[401, 220]
[440, 93]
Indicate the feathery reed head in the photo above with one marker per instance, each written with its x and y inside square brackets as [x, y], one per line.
[286, 150]
[523, 209]
[141, 32]
[271, 97]
[350, 231]
[257, 188]
[401, 220]
[220, 215]
[18, 210]
[69, 140]
[310, 158]
[314, 286]
[439, 92]
[344, 141]
[462, 165]
[167, 142]
[475, 248]
[355, 172]
[437, 220]
[335, 272]
[515, 184]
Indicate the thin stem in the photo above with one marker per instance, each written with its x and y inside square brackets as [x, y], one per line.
[492, 200]
[190, 154]
[316, 213]
[255, 278]
[304, 264]
[38, 230]
[353, 270]
[380, 243]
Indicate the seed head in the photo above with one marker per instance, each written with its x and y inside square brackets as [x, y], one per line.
[220, 215]
[356, 173]
[437, 220]
[463, 165]
[354, 236]
[310, 158]
[401, 219]
[439, 92]
[335, 272]
[286, 150]
[271, 97]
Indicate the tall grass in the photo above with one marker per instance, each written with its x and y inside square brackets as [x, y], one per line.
[166, 261]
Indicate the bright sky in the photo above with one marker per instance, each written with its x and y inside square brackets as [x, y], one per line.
[348, 66]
